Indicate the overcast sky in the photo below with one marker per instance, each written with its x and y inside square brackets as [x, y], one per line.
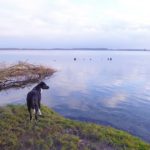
[75, 23]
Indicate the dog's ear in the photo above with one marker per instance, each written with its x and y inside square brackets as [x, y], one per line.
[41, 83]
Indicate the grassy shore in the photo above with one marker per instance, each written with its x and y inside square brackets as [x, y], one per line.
[21, 74]
[54, 132]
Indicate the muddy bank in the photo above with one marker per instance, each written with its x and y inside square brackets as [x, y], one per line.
[21, 74]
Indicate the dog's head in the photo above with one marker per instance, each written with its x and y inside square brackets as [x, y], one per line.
[43, 85]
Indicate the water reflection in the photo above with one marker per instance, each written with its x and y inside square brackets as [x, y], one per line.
[92, 88]
[115, 100]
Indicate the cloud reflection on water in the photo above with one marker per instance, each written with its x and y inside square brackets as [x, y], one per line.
[115, 100]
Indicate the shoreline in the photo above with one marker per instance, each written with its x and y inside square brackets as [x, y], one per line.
[78, 49]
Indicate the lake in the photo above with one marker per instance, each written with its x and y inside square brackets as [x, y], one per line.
[109, 92]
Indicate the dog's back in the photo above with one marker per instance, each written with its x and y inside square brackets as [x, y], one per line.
[32, 99]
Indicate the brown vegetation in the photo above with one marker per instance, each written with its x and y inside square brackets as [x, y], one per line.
[22, 73]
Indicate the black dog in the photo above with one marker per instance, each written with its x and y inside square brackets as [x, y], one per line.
[34, 99]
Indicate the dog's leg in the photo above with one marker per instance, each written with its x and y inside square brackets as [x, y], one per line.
[36, 112]
[36, 116]
[39, 104]
[39, 112]
[33, 111]
[30, 113]
[29, 107]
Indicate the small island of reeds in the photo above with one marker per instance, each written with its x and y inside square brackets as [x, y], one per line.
[21, 74]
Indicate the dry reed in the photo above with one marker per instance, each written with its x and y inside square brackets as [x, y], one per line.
[22, 73]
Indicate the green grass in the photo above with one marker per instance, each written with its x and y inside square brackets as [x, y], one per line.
[54, 132]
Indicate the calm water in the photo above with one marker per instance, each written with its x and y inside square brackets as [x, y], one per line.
[115, 93]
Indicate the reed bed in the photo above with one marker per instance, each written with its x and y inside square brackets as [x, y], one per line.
[22, 73]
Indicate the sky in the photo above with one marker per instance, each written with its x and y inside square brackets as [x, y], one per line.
[75, 23]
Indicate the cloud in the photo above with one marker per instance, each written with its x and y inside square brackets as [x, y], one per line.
[42, 18]
[88, 21]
